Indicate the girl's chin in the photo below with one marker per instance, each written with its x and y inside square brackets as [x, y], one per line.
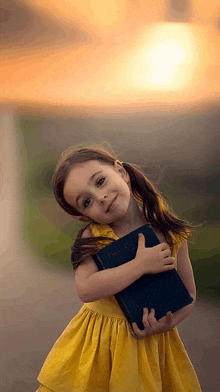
[113, 217]
[107, 221]
[116, 219]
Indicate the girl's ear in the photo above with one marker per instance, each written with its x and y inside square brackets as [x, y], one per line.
[119, 167]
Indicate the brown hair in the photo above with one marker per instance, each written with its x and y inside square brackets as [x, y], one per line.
[155, 208]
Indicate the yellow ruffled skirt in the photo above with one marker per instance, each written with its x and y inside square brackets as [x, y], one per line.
[97, 353]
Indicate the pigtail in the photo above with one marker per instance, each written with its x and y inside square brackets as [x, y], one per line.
[86, 247]
[155, 208]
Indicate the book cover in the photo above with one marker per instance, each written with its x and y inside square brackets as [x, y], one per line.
[163, 292]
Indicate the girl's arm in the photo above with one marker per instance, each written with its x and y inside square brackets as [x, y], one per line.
[185, 271]
[153, 326]
[92, 284]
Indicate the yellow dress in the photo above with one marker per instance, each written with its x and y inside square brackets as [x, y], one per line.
[97, 353]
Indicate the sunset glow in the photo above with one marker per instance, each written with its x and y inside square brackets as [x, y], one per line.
[168, 57]
[114, 54]
[163, 61]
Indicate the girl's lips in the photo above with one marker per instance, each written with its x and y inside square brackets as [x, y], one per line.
[111, 204]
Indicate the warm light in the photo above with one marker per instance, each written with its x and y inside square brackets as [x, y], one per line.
[168, 57]
[163, 61]
[158, 63]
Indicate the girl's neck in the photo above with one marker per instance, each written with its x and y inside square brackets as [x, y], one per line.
[133, 219]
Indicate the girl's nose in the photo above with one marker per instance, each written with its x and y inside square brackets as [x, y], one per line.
[102, 198]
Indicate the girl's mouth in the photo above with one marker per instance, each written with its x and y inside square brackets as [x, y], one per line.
[111, 204]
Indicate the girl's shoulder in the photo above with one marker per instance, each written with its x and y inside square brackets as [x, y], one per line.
[97, 230]
[91, 230]
[177, 239]
[87, 233]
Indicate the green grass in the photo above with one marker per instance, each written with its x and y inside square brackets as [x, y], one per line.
[200, 208]
[204, 254]
[51, 244]
[207, 272]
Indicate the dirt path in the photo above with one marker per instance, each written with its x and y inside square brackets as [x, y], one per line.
[200, 333]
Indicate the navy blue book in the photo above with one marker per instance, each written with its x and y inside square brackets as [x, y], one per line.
[163, 292]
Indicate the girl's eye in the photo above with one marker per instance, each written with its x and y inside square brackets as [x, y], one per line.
[88, 199]
[86, 202]
[100, 181]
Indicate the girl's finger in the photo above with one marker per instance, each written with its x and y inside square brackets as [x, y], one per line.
[163, 246]
[152, 313]
[151, 318]
[139, 333]
[148, 323]
[133, 334]
[145, 318]
[169, 318]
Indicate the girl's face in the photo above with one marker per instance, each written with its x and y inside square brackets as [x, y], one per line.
[100, 192]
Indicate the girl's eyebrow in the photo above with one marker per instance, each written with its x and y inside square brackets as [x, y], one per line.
[90, 180]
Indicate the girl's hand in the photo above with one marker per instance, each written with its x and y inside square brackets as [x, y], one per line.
[151, 325]
[154, 259]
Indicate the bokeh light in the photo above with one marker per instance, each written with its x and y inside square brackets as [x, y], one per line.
[165, 58]
[118, 54]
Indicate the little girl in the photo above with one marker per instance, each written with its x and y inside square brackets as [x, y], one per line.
[98, 351]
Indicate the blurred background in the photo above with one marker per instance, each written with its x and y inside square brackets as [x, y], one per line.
[143, 80]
